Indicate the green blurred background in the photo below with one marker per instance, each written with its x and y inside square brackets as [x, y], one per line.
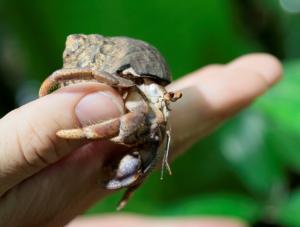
[250, 168]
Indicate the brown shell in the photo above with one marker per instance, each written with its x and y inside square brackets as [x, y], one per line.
[114, 54]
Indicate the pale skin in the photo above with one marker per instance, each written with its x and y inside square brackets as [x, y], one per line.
[48, 181]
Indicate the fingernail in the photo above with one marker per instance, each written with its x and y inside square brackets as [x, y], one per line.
[98, 106]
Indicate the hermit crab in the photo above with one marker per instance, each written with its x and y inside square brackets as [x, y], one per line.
[139, 73]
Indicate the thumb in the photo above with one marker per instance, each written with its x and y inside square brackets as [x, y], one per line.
[28, 134]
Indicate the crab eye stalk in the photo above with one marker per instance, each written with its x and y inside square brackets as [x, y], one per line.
[172, 96]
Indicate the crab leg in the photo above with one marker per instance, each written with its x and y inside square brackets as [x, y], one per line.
[103, 130]
[127, 195]
[65, 77]
[120, 130]
[124, 130]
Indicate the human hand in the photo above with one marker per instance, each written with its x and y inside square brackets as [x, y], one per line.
[47, 181]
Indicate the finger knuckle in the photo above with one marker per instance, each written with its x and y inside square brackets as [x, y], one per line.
[36, 146]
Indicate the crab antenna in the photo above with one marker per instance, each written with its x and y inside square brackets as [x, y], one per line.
[165, 163]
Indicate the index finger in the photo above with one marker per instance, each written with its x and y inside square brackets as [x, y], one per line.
[217, 92]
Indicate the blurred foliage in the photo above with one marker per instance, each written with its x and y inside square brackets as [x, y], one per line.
[250, 167]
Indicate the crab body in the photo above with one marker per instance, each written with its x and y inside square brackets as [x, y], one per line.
[139, 73]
